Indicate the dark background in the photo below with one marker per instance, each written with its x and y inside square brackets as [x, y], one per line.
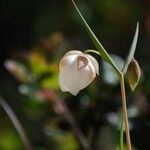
[25, 24]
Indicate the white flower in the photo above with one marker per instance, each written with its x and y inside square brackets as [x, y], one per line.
[77, 71]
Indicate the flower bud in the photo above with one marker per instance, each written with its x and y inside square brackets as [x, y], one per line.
[133, 74]
[77, 71]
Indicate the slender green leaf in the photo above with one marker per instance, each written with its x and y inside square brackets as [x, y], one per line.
[105, 56]
[132, 49]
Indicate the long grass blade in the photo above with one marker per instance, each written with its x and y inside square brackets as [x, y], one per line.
[105, 56]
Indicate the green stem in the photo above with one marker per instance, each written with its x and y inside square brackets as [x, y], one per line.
[125, 114]
[92, 51]
[121, 135]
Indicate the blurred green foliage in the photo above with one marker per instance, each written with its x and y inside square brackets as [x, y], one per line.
[38, 34]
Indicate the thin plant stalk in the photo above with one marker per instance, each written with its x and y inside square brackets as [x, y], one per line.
[16, 123]
[105, 56]
[124, 110]
[125, 114]
[121, 134]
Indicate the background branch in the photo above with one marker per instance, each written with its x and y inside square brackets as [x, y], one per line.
[16, 123]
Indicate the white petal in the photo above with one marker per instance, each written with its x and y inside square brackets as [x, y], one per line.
[86, 76]
[68, 73]
[67, 60]
[73, 52]
[68, 80]
[94, 62]
[72, 76]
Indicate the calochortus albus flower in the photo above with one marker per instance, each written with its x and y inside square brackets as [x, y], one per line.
[77, 71]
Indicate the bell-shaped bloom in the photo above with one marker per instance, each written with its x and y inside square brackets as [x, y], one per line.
[77, 71]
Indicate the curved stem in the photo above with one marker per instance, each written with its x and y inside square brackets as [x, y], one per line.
[16, 123]
[92, 51]
[125, 114]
